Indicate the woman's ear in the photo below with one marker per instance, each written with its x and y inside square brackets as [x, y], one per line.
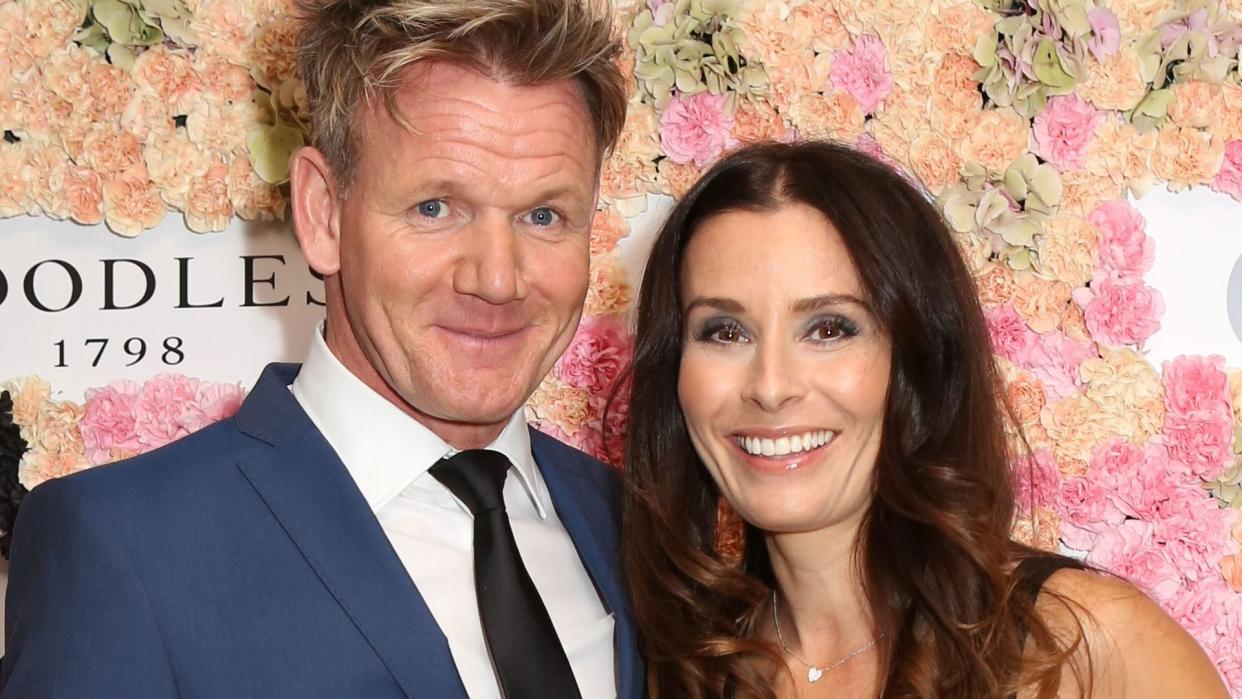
[316, 210]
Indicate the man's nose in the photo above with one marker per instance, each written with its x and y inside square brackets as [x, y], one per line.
[491, 263]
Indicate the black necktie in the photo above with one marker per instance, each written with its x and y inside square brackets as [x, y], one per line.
[528, 656]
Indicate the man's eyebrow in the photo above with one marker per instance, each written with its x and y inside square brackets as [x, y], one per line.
[716, 302]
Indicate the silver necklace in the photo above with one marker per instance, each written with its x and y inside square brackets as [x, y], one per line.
[814, 672]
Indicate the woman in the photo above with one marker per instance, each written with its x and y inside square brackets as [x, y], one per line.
[811, 350]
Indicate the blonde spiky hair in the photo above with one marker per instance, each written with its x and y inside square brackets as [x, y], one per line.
[353, 52]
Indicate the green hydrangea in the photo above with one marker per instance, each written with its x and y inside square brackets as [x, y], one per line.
[1039, 49]
[1009, 209]
[695, 49]
[122, 29]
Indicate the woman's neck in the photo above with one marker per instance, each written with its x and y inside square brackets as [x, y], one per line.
[823, 611]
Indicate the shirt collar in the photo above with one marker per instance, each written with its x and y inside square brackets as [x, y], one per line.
[383, 448]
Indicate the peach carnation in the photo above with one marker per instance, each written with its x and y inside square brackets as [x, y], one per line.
[567, 407]
[1128, 389]
[1138, 17]
[168, 73]
[835, 116]
[207, 207]
[1116, 83]
[1122, 155]
[609, 292]
[1040, 302]
[40, 465]
[757, 120]
[935, 161]
[1066, 250]
[607, 228]
[675, 179]
[28, 394]
[56, 428]
[1075, 425]
[956, 28]
[274, 56]
[17, 197]
[625, 178]
[1082, 191]
[996, 138]
[251, 197]
[1195, 104]
[1025, 396]
[80, 190]
[222, 127]
[225, 27]
[109, 152]
[996, 283]
[173, 163]
[1186, 157]
[131, 202]
[223, 81]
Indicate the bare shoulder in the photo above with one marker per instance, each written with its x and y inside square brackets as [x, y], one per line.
[1133, 648]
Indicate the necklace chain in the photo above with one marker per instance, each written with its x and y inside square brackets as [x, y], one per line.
[814, 672]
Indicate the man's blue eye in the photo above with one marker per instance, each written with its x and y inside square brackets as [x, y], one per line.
[543, 216]
[433, 209]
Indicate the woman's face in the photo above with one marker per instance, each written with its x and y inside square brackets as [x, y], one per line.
[785, 370]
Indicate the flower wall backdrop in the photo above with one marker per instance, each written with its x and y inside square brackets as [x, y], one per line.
[1033, 123]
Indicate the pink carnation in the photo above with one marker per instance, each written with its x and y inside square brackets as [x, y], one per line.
[861, 72]
[1055, 359]
[1037, 481]
[161, 402]
[108, 424]
[615, 418]
[213, 403]
[596, 356]
[1129, 551]
[1011, 337]
[1198, 608]
[696, 128]
[1196, 383]
[1123, 313]
[1105, 33]
[1194, 532]
[1229, 179]
[1085, 510]
[1199, 444]
[1063, 131]
[1124, 248]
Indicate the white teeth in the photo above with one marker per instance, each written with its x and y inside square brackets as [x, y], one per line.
[783, 446]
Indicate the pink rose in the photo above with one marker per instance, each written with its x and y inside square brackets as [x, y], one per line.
[1055, 359]
[1195, 383]
[861, 72]
[108, 423]
[1229, 179]
[596, 356]
[1011, 337]
[1129, 551]
[213, 402]
[160, 405]
[696, 128]
[1199, 444]
[1105, 33]
[1063, 131]
[1123, 313]
[1124, 248]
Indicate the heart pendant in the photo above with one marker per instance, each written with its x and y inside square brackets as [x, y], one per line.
[814, 674]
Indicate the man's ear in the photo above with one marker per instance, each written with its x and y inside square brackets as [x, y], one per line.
[316, 210]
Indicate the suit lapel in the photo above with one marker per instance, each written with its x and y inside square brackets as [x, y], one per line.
[312, 496]
[589, 515]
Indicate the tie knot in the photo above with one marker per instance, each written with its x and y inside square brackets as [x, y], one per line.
[476, 477]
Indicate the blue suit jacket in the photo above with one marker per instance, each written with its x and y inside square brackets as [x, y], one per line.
[242, 561]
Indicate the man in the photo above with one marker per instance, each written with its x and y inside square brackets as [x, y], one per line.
[381, 523]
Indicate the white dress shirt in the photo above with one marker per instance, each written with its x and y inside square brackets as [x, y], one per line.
[388, 454]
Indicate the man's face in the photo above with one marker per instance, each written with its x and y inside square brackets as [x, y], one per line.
[464, 244]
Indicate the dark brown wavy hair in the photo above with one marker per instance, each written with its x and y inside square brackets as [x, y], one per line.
[935, 550]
